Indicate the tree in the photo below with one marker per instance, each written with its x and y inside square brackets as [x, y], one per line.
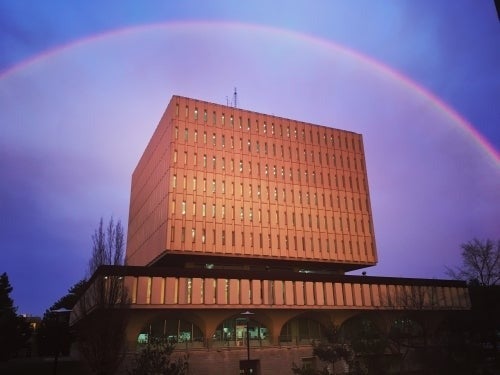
[480, 263]
[14, 330]
[108, 246]
[156, 358]
[53, 335]
[332, 351]
[100, 313]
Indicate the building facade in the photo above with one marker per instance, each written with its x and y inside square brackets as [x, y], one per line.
[234, 211]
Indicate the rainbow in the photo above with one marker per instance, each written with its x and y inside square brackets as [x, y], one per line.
[374, 65]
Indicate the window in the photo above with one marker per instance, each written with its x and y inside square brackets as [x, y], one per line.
[196, 113]
[183, 207]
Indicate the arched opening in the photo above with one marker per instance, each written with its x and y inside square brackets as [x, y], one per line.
[176, 330]
[233, 332]
[301, 330]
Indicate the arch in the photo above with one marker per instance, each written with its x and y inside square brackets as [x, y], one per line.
[176, 327]
[233, 331]
[304, 328]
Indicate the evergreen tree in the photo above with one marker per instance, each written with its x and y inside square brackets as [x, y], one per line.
[14, 330]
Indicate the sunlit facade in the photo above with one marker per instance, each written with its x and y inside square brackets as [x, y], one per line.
[225, 186]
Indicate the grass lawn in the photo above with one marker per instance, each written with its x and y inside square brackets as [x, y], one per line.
[41, 366]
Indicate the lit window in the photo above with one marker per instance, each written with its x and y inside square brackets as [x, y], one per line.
[183, 207]
[174, 181]
[196, 113]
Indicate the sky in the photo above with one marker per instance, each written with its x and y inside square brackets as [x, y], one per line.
[83, 85]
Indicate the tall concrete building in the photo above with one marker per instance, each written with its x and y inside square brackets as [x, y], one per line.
[241, 228]
[228, 187]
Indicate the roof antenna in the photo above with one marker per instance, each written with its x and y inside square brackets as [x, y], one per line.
[235, 99]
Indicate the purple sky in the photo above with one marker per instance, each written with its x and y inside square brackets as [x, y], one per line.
[83, 85]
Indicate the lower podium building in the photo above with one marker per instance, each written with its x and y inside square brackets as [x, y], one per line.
[241, 228]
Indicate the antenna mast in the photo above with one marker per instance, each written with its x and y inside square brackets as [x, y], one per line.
[235, 98]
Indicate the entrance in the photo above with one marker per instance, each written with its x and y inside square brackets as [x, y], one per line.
[251, 367]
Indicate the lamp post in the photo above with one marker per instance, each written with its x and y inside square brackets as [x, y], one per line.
[60, 319]
[247, 315]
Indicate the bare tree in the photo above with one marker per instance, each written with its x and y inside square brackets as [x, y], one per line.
[108, 245]
[480, 262]
[101, 311]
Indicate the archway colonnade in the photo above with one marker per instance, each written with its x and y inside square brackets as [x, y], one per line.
[267, 327]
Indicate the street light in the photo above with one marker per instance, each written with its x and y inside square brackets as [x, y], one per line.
[247, 315]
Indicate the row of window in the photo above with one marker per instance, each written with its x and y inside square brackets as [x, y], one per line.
[286, 218]
[298, 155]
[272, 129]
[264, 191]
[253, 239]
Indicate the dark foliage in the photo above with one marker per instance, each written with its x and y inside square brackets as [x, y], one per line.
[14, 330]
[156, 358]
